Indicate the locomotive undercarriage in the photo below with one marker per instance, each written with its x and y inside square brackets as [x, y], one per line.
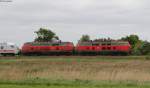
[75, 53]
[112, 53]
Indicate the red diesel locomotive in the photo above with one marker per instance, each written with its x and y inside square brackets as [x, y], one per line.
[40, 48]
[103, 47]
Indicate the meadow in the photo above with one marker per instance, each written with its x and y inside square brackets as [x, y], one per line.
[75, 72]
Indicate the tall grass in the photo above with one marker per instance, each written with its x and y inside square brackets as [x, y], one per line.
[71, 68]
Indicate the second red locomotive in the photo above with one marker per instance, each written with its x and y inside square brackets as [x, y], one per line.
[103, 47]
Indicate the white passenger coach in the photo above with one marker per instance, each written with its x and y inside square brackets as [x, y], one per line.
[8, 49]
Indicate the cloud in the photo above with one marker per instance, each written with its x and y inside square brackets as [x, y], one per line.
[72, 18]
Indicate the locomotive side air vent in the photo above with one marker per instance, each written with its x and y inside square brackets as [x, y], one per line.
[103, 48]
[93, 48]
[57, 48]
[114, 48]
[32, 48]
[87, 48]
[109, 48]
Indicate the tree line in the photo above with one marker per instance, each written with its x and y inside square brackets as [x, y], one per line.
[138, 46]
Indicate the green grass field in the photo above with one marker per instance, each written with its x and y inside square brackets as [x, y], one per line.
[74, 84]
[75, 72]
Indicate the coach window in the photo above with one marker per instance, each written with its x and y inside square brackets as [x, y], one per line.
[12, 46]
[2, 47]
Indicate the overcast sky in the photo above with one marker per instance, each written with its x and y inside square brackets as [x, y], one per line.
[69, 19]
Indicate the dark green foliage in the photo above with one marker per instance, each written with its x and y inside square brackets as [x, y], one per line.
[85, 38]
[133, 40]
[45, 35]
[135, 43]
[56, 37]
[145, 48]
[138, 47]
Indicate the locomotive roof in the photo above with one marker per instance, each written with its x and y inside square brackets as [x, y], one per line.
[114, 42]
[47, 43]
